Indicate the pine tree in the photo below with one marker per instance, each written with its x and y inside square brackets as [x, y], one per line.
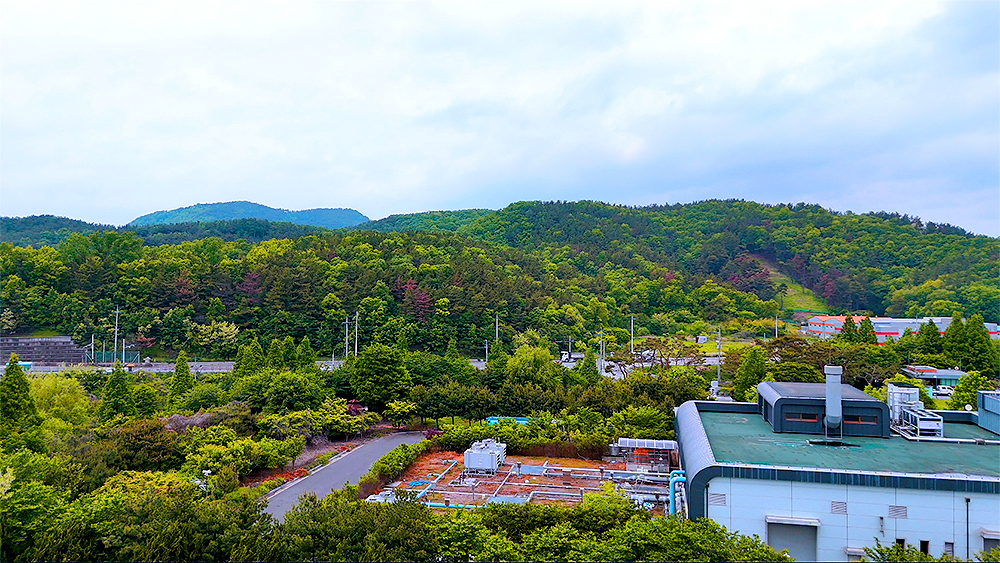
[929, 338]
[17, 408]
[954, 341]
[866, 332]
[249, 360]
[752, 370]
[274, 359]
[288, 359]
[305, 356]
[849, 331]
[117, 395]
[587, 369]
[182, 381]
[979, 353]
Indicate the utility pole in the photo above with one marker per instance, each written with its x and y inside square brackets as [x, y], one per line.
[776, 325]
[718, 356]
[115, 353]
[631, 335]
[93, 352]
[487, 351]
[355, 334]
[602, 350]
[496, 325]
[347, 332]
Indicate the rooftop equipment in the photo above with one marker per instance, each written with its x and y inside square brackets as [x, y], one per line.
[834, 412]
[901, 396]
[642, 455]
[485, 456]
[920, 422]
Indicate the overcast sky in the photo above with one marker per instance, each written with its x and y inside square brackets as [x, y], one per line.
[109, 111]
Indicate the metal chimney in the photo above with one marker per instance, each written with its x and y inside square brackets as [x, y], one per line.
[833, 398]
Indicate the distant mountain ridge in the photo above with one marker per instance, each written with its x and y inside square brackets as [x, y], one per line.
[331, 218]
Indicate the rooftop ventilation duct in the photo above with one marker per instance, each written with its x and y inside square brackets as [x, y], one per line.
[834, 414]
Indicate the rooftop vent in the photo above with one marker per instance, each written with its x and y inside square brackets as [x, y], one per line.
[834, 411]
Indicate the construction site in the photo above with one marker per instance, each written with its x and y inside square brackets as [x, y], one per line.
[645, 471]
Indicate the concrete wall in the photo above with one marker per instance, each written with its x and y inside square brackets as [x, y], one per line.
[935, 516]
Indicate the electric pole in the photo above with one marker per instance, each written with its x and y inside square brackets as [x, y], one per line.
[496, 325]
[347, 332]
[355, 334]
[631, 335]
[115, 353]
[487, 351]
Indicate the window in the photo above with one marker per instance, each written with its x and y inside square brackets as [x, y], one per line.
[859, 419]
[802, 416]
[901, 542]
[949, 548]
[990, 544]
[897, 511]
[925, 547]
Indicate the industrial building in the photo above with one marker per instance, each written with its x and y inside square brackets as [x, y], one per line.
[824, 485]
[932, 376]
[829, 326]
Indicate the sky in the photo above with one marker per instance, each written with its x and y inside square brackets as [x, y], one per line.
[109, 111]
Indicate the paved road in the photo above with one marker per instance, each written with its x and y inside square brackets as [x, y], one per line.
[346, 469]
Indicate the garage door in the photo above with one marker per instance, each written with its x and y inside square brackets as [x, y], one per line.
[800, 541]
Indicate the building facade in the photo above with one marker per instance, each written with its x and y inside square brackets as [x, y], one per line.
[829, 326]
[828, 502]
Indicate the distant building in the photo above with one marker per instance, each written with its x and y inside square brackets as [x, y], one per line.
[932, 376]
[823, 499]
[829, 326]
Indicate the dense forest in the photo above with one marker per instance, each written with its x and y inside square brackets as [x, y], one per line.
[232, 210]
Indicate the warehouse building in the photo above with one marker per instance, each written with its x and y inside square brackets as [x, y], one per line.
[829, 326]
[824, 489]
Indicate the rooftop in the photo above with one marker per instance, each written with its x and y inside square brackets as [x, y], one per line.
[738, 437]
[816, 391]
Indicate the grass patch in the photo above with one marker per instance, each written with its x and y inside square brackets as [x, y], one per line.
[44, 333]
[798, 297]
[709, 347]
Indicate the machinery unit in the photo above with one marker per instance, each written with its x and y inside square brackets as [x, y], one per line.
[485, 456]
[658, 456]
[920, 422]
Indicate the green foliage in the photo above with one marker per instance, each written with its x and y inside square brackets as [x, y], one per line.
[640, 422]
[117, 396]
[394, 463]
[182, 380]
[530, 365]
[400, 412]
[342, 528]
[979, 352]
[216, 447]
[17, 407]
[967, 388]
[281, 392]
[795, 371]
[330, 419]
[866, 332]
[887, 553]
[379, 376]
[203, 396]
[752, 370]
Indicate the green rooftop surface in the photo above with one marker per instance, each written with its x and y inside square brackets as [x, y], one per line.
[968, 431]
[747, 438]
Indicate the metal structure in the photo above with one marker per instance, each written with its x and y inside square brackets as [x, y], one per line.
[485, 456]
[658, 456]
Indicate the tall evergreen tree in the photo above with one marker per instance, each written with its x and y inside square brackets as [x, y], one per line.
[182, 381]
[954, 341]
[587, 369]
[275, 360]
[980, 354]
[849, 331]
[929, 338]
[752, 370]
[305, 356]
[866, 332]
[17, 408]
[117, 395]
[288, 359]
[249, 360]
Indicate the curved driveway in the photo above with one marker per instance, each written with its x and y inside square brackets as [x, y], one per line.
[345, 469]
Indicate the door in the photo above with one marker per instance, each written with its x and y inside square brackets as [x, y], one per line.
[800, 541]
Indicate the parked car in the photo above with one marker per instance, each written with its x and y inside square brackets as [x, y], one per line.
[944, 390]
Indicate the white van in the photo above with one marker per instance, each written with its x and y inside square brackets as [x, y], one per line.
[944, 390]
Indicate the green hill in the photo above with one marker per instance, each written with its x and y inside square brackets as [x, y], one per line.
[324, 217]
[433, 221]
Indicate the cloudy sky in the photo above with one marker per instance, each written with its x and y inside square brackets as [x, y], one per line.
[112, 110]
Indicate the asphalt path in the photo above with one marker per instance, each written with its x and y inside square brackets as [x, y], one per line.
[347, 468]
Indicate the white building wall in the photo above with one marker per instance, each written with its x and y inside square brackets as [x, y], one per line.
[934, 516]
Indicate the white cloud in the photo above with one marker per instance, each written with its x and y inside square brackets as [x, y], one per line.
[403, 107]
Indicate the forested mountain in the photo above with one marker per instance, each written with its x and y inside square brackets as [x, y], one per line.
[41, 230]
[47, 230]
[427, 221]
[880, 262]
[325, 217]
[419, 288]
[564, 270]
